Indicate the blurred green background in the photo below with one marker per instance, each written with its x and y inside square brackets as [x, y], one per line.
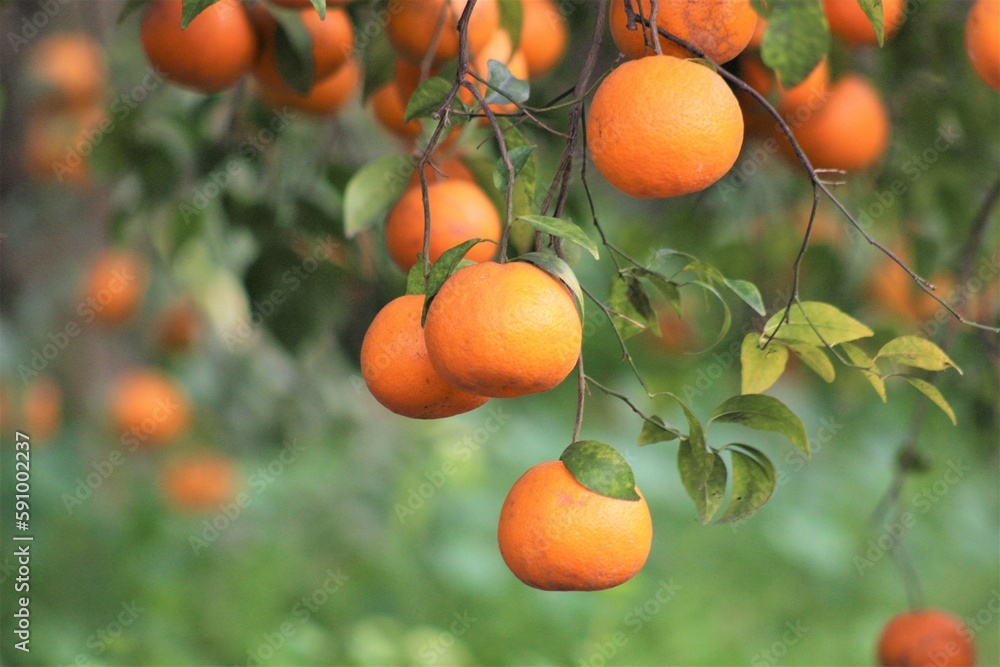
[370, 539]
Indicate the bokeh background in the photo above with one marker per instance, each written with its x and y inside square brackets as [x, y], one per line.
[369, 539]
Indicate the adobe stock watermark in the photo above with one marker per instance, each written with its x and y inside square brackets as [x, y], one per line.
[290, 281]
[229, 512]
[97, 643]
[432, 649]
[301, 612]
[892, 533]
[461, 451]
[778, 649]
[635, 620]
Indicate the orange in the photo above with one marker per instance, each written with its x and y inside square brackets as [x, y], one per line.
[407, 78]
[212, 53]
[68, 70]
[925, 307]
[51, 145]
[180, 326]
[890, 288]
[503, 330]
[388, 109]
[662, 126]
[397, 371]
[42, 408]
[543, 36]
[200, 482]
[459, 211]
[926, 638]
[850, 132]
[148, 408]
[326, 97]
[332, 43]
[850, 24]
[806, 96]
[414, 25]
[114, 287]
[720, 28]
[557, 535]
[982, 40]
[758, 33]
[306, 4]
[499, 49]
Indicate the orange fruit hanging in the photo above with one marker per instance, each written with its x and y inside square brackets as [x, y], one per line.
[396, 369]
[215, 50]
[388, 109]
[148, 408]
[499, 49]
[720, 28]
[503, 330]
[332, 43]
[662, 126]
[982, 40]
[200, 482]
[114, 287]
[926, 638]
[459, 211]
[67, 70]
[544, 35]
[850, 24]
[325, 98]
[557, 535]
[413, 27]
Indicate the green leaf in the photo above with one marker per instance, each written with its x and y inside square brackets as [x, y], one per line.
[629, 300]
[191, 9]
[763, 413]
[558, 268]
[658, 432]
[427, 98]
[669, 290]
[293, 51]
[917, 352]
[754, 482]
[874, 11]
[564, 229]
[727, 317]
[128, 9]
[518, 158]
[379, 61]
[810, 320]
[705, 485]
[796, 39]
[696, 435]
[320, 6]
[512, 20]
[524, 190]
[448, 263]
[503, 86]
[747, 291]
[415, 278]
[373, 190]
[601, 468]
[931, 392]
[761, 368]
[858, 357]
[815, 358]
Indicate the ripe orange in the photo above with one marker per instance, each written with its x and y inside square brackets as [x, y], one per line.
[180, 326]
[557, 535]
[720, 28]
[503, 330]
[499, 49]
[200, 482]
[407, 78]
[388, 109]
[543, 36]
[42, 408]
[924, 306]
[459, 211]
[850, 132]
[148, 406]
[51, 145]
[850, 24]
[808, 96]
[758, 33]
[68, 70]
[412, 28]
[982, 40]
[662, 126]
[397, 371]
[114, 286]
[326, 97]
[332, 43]
[306, 4]
[212, 53]
[926, 638]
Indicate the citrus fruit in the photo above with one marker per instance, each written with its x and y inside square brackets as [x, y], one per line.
[758, 33]
[67, 70]
[326, 97]
[148, 407]
[850, 132]
[388, 109]
[114, 286]
[543, 36]
[720, 28]
[499, 49]
[459, 211]
[557, 535]
[413, 27]
[332, 42]
[215, 50]
[926, 638]
[179, 327]
[407, 78]
[42, 407]
[397, 371]
[982, 40]
[503, 330]
[200, 482]
[850, 24]
[662, 126]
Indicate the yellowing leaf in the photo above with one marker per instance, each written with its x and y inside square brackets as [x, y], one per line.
[761, 368]
[917, 352]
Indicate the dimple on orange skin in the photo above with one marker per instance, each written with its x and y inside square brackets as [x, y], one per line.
[662, 126]
[503, 330]
[926, 638]
[556, 535]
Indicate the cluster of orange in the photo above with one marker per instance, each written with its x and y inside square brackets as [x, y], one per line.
[65, 80]
[229, 40]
